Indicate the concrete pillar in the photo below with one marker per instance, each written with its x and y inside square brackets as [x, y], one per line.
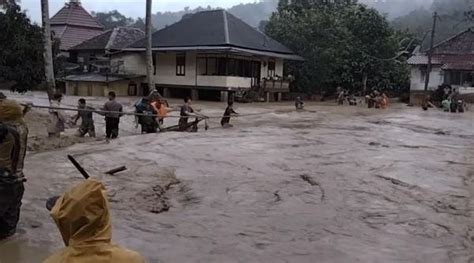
[166, 92]
[224, 96]
[195, 94]
[279, 96]
[267, 97]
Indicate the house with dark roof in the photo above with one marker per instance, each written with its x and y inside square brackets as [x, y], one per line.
[452, 64]
[72, 24]
[98, 48]
[206, 55]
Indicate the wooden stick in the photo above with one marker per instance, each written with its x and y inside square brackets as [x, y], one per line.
[78, 167]
[116, 170]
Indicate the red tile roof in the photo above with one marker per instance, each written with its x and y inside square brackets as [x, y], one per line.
[72, 35]
[74, 25]
[74, 14]
[460, 44]
[456, 53]
[114, 39]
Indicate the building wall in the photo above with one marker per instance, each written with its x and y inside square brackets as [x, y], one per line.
[224, 81]
[166, 70]
[279, 63]
[418, 83]
[133, 63]
[96, 89]
[85, 89]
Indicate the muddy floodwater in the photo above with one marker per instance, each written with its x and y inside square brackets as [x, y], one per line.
[335, 184]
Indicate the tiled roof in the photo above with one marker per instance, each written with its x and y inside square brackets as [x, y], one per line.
[114, 39]
[421, 59]
[455, 53]
[74, 14]
[462, 43]
[465, 65]
[216, 28]
[72, 35]
[73, 25]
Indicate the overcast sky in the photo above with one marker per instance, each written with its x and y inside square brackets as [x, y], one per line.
[133, 8]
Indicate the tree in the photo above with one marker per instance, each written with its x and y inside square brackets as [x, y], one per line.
[113, 19]
[21, 50]
[149, 53]
[48, 50]
[455, 16]
[344, 43]
[140, 23]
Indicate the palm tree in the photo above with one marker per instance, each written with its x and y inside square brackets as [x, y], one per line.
[48, 51]
[149, 53]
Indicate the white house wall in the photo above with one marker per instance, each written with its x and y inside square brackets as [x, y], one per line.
[418, 83]
[166, 70]
[238, 82]
[133, 63]
[279, 67]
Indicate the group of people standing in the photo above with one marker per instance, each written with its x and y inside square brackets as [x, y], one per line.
[452, 101]
[111, 111]
[377, 99]
[86, 232]
[343, 95]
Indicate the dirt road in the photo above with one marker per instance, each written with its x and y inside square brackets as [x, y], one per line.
[340, 185]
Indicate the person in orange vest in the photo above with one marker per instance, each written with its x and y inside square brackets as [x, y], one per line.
[162, 108]
[384, 101]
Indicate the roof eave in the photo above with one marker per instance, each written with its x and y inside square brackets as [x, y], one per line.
[288, 56]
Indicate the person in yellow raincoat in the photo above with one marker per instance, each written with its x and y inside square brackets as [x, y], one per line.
[82, 216]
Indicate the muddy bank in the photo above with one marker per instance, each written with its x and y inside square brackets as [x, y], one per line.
[336, 184]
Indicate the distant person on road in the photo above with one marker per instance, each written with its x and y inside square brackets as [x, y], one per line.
[299, 104]
[56, 117]
[384, 101]
[13, 144]
[83, 218]
[446, 104]
[112, 120]
[87, 124]
[229, 111]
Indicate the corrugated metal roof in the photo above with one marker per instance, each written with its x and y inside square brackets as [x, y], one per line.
[74, 14]
[214, 28]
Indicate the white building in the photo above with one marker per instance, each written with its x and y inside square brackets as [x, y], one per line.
[452, 64]
[206, 55]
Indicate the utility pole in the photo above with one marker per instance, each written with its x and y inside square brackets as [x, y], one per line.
[149, 54]
[430, 52]
[48, 50]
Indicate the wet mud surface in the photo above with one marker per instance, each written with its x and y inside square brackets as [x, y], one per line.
[340, 184]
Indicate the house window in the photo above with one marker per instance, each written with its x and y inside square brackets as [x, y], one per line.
[271, 68]
[180, 64]
[454, 78]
